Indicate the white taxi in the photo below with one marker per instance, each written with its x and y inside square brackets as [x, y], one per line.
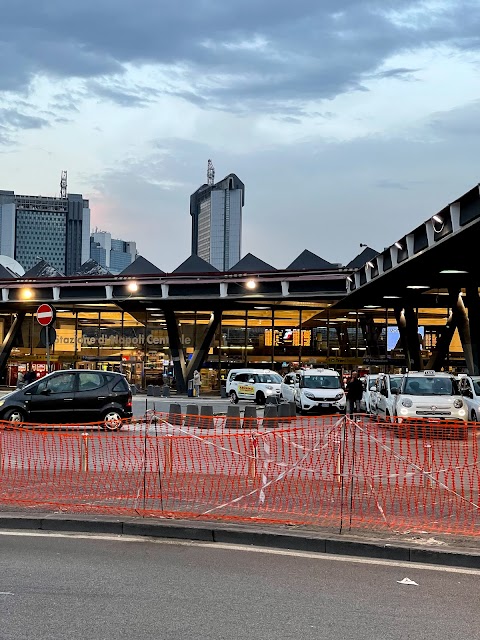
[253, 384]
[314, 389]
[429, 394]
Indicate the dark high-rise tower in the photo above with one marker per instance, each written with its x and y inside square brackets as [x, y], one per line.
[216, 211]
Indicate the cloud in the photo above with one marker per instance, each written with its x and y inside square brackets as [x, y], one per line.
[133, 97]
[390, 184]
[266, 53]
[398, 74]
[14, 120]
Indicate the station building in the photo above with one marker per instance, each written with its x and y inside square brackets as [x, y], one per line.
[414, 305]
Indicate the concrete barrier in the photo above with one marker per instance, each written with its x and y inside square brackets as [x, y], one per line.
[233, 417]
[166, 391]
[293, 410]
[175, 414]
[284, 416]
[150, 390]
[271, 416]
[157, 391]
[191, 416]
[206, 417]
[250, 419]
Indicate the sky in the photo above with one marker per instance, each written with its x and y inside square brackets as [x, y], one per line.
[349, 121]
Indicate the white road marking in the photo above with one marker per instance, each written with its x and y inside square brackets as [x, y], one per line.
[240, 547]
[6, 593]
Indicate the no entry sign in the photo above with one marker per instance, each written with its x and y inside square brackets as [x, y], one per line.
[45, 315]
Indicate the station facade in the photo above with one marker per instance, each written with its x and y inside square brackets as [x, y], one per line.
[414, 305]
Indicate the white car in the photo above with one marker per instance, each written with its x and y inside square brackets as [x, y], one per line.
[385, 395]
[429, 394]
[314, 390]
[253, 384]
[470, 390]
[369, 395]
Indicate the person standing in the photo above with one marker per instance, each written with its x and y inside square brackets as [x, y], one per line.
[30, 376]
[20, 379]
[354, 394]
[197, 383]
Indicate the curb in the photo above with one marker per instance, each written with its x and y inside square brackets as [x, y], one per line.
[238, 534]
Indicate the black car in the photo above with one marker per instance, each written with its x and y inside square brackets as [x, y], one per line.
[73, 396]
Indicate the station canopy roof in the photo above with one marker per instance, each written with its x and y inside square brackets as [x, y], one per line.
[422, 266]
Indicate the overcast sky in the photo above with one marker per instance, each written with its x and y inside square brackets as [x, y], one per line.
[349, 121]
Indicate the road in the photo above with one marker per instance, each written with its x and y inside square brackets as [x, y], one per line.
[105, 587]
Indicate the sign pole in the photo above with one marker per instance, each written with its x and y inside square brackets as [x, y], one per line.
[45, 316]
[48, 350]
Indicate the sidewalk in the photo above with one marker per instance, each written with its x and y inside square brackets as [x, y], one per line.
[414, 548]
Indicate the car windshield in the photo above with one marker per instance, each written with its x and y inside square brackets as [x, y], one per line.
[372, 384]
[321, 382]
[269, 378]
[395, 382]
[431, 386]
[476, 386]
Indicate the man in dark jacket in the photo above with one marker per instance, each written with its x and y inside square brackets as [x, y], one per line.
[354, 394]
[30, 376]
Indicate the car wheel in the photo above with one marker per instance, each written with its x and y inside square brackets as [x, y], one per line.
[233, 397]
[474, 417]
[112, 420]
[260, 399]
[15, 415]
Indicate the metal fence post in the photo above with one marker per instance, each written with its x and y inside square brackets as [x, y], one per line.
[169, 454]
[84, 452]
[253, 457]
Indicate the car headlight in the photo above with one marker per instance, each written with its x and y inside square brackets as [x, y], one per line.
[268, 386]
[404, 412]
[461, 412]
[339, 396]
[406, 402]
[309, 395]
[2, 402]
[458, 403]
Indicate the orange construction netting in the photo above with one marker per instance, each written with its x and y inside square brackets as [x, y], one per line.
[330, 472]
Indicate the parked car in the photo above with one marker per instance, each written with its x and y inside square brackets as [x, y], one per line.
[253, 384]
[430, 394]
[385, 398]
[71, 397]
[470, 390]
[369, 396]
[314, 390]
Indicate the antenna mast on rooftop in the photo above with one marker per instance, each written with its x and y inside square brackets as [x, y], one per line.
[210, 174]
[63, 185]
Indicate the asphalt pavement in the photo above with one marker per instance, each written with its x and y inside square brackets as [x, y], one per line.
[62, 586]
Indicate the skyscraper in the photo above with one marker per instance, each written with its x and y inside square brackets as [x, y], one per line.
[115, 255]
[37, 227]
[216, 211]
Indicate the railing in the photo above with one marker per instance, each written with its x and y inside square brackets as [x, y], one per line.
[330, 472]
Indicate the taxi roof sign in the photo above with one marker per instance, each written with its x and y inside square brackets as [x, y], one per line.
[429, 372]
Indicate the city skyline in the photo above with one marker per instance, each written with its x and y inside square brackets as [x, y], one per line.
[349, 122]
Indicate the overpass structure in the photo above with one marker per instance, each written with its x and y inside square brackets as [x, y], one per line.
[435, 266]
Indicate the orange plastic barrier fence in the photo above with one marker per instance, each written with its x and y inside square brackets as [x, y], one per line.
[330, 472]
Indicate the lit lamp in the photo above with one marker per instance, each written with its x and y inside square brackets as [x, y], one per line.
[26, 294]
[251, 284]
[132, 287]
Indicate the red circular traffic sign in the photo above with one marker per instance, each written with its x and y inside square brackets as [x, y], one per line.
[45, 315]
